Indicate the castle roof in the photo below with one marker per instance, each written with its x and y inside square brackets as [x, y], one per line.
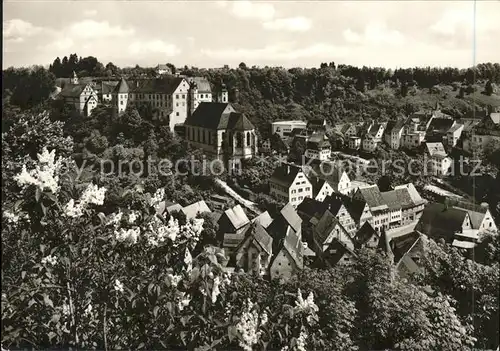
[122, 87]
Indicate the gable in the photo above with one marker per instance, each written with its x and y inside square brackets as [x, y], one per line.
[338, 232]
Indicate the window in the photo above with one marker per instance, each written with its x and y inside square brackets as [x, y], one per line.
[183, 104]
[177, 113]
[121, 102]
[300, 190]
[177, 104]
[183, 96]
[176, 96]
[308, 188]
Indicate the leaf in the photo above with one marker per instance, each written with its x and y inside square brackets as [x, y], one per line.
[38, 193]
[51, 335]
[31, 302]
[23, 274]
[155, 311]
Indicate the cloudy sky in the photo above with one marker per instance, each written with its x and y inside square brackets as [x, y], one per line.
[284, 33]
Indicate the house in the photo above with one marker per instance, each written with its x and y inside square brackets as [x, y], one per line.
[354, 142]
[318, 147]
[438, 128]
[413, 139]
[358, 210]
[336, 253]
[284, 128]
[366, 236]
[254, 252]
[106, 91]
[394, 134]
[310, 211]
[408, 251]
[288, 249]
[453, 134]
[440, 221]
[316, 125]
[167, 208]
[370, 144]
[485, 136]
[376, 131]
[378, 208]
[220, 131]
[333, 173]
[288, 183]
[336, 206]
[321, 188]
[412, 204]
[439, 163]
[233, 220]
[119, 96]
[480, 215]
[348, 130]
[80, 96]
[191, 211]
[162, 69]
[393, 202]
[265, 146]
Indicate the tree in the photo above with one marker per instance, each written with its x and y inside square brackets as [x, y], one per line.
[384, 183]
[360, 83]
[488, 89]
[242, 66]
[172, 68]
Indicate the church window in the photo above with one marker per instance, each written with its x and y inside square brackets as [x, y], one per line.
[248, 139]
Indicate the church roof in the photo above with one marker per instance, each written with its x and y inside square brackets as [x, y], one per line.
[73, 90]
[217, 116]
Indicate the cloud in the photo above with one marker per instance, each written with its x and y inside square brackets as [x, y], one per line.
[256, 10]
[90, 29]
[17, 30]
[153, 47]
[292, 24]
[59, 44]
[375, 33]
[279, 52]
[90, 13]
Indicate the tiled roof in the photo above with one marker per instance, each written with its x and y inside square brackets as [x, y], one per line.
[264, 219]
[309, 208]
[216, 116]
[391, 199]
[364, 234]
[259, 233]
[372, 196]
[107, 87]
[192, 210]
[412, 192]
[165, 85]
[233, 240]
[72, 90]
[345, 128]
[285, 174]
[438, 220]
[325, 226]
[330, 171]
[318, 140]
[237, 216]
[355, 207]
[335, 251]
[202, 83]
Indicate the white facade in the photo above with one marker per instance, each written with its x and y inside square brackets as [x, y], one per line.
[326, 190]
[300, 188]
[321, 155]
[488, 223]
[454, 134]
[284, 128]
[370, 144]
[413, 140]
[396, 135]
[439, 165]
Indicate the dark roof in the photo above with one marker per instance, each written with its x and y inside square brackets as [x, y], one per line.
[375, 128]
[334, 253]
[364, 234]
[330, 171]
[372, 196]
[439, 220]
[285, 174]
[215, 116]
[317, 183]
[392, 200]
[455, 128]
[355, 207]
[325, 226]
[440, 125]
[318, 140]
[72, 90]
[334, 204]
[345, 128]
[165, 85]
[122, 87]
[261, 236]
[107, 87]
[318, 122]
[309, 208]
[202, 84]
[402, 244]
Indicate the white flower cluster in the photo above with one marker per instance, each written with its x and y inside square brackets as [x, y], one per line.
[188, 260]
[184, 300]
[301, 341]
[46, 172]
[88, 310]
[173, 280]
[51, 260]
[11, 217]
[114, 219]
[118, 286]
[157, 198]
[132, 216]
[248, 327]
[129, 235]
[66, 310]
[158, 232]
[306, 305]
[92, 195]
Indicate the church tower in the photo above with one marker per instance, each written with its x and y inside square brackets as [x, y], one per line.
[120, 95]
[193, 98]
[74, 79]
[222, 95]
